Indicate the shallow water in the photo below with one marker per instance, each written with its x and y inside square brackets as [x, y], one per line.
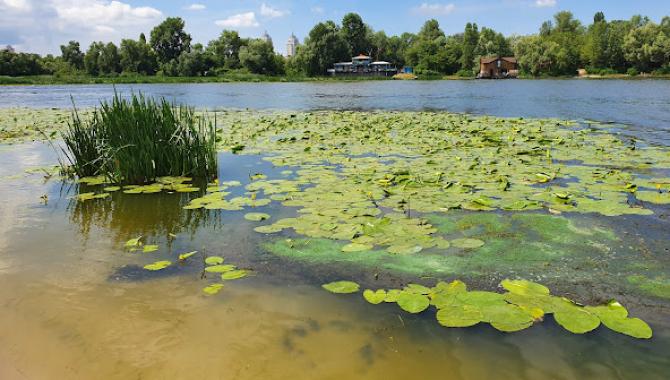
[641, 106]
[76, 306]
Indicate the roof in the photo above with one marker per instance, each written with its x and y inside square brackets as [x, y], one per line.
[361, 56]
[486, 60]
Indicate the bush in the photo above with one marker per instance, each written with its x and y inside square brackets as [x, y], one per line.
[632, 72]
[463, 73]
[138, 140]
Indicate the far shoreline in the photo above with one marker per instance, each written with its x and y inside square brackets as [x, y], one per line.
[46, 80]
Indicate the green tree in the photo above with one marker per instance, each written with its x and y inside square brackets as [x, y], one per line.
[192, 63]
[356, 34]
[225, 50]
[597, 42]
[536, 55]
[322, 48]
[138, 57]
[259, 57]
[72, 54]
[18, 64]
[102, 58]
[644, 47]
[470, 42]
[169, 40]
[428, 53]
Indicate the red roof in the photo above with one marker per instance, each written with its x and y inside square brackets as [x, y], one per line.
[486, 60]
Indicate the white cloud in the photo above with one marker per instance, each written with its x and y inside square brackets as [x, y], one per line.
[16, 5]
[318, 10]
[42, 25]
[196, 7]
[545, 3]
[269, 12]
[435, 9]
[242, 20]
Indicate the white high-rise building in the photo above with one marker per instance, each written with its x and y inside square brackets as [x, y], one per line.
[291, 45]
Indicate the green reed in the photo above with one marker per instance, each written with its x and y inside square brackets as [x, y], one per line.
[139, 139]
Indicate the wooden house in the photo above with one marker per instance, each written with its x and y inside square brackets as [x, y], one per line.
[498, 67]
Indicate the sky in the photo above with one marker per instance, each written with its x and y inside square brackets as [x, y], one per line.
[41, 26]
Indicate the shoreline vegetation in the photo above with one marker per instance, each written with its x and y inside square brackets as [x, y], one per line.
[256, 78]
[563, 47]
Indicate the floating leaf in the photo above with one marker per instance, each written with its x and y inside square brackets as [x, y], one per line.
[507, 318]
[459, 316]
[392, 295]
[234, 274]
[417, 289]
[467, 243]
[112, 189]
[576, 319]
[342, 287]
[213, 289]
[412, 302]
[374, 296]
[271, 229]
[133, 242]
[524, 287]
[158, 265]
[149, 248]
[256, 216]
[186, 255]
[214, 260]
[634, 327]
[220, 268]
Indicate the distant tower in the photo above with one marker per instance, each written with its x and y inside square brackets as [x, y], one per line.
[266, 37]
[291, 45]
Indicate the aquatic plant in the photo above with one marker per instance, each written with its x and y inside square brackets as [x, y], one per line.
[524, 304]
[139, 140]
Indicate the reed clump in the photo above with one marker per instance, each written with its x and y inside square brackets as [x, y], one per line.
[139, 139]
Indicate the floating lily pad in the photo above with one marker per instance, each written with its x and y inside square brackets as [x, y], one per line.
[149, 248]
[112, 189]
[467, 243]
[184, 256]
[256, 216]
[214, 260]
[133, 242]
[342, 287]
[412, 302]
[234, 274]
[158, 265]
[213, 289]
[220, 268]
[375, 296]
[524, 287]
[459, 316]
[392, 295]
[576, 319]
[634, 327]
[271, 229]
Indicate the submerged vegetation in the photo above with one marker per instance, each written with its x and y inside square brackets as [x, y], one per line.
[524, 304]
[139, 140]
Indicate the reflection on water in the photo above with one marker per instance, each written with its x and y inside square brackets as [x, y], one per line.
[66, 314]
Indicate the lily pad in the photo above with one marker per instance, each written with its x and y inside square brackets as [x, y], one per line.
[524, 287]
[158, 265]
[634, 327]
[467, 243]
[576, 319]
[256, 216]
[234, 274]
[374, 296]
[213, 289]
[149, 248]
[214, 260]
[133, 242]
[459, 316]
[220, 268]
[341, 287]
[184, 256]
[412, 302]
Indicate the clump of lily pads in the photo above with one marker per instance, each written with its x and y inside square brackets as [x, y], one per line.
[524, 304]
[226, 272]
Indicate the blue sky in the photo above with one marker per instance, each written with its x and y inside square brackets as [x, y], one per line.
[42, 25]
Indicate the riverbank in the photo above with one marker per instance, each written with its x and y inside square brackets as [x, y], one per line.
[251, 78]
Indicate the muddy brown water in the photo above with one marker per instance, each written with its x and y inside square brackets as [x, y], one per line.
[76, 306]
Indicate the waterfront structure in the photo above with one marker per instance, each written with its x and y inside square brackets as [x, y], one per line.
[362, 65]
[498, 67]
[292, 46]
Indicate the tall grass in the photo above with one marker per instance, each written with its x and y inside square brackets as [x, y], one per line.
[139, 139]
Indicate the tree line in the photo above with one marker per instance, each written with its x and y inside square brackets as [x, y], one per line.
[561, 47]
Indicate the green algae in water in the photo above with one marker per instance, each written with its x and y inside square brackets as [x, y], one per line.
[458, 307]
[657, 286]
